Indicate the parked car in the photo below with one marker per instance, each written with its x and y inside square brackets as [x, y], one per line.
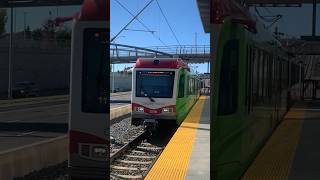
[25, 89]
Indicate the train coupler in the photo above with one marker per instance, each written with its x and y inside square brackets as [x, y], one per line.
[150, 124]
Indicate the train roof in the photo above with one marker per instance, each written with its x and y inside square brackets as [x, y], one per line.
[235, 12]
[170, 63]
[97, 10]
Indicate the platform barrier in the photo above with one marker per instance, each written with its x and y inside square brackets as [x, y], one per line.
[23, 160]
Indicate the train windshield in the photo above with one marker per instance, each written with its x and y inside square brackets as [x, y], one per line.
[154, 84]
[95, 79]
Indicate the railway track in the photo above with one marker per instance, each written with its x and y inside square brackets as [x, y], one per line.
[135, 158]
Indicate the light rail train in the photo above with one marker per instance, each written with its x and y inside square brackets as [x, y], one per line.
[163, 91]
[253, 79]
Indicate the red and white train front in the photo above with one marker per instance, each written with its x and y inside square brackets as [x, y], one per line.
[154, 87]
[89, 92]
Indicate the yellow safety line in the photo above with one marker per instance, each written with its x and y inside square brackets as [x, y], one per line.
[275, 159]
[174, 160]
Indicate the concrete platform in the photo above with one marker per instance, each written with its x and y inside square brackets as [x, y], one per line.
[187, 155]
[293, 151]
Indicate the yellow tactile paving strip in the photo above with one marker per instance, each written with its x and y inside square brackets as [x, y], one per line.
[275, 159]
[174, 160]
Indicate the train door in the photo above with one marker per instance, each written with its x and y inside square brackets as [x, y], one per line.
[89, 93]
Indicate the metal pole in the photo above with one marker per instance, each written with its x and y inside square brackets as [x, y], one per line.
[24, 25]
[10, 56]
[300, 78]
[195, 42]
[15, 21]
[314, 21]
[113, 78]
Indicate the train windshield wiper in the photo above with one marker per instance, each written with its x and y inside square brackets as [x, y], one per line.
[151, 99]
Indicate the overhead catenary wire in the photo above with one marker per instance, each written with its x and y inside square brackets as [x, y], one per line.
[168, 22]
[131, 20]
[140, 30]
[148, 29]
[270, 19]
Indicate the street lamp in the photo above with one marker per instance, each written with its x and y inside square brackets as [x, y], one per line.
[300, 79]
[113, 71]
[10, 56]
[112, 77]
[112, 67]
[24, 24]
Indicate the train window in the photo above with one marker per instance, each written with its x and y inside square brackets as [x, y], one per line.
[181, 86]
[190, 86]
[261, 69]
[154, 84]
[228, 91]
[189, 89]
[265, 76]
[187, 85]
[280, 75]
[193, 86]
[249, 78]
[95, 78]
[255, 84]
[270, 76]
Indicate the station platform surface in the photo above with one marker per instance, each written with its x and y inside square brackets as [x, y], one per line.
[293, 150]
[187, 155]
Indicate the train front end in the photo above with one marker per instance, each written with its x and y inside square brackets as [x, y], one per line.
[88, 156]
[154, 87]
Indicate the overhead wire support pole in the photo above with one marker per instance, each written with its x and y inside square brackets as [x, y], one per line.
[132, 20]
[314, 21]
[10, 56]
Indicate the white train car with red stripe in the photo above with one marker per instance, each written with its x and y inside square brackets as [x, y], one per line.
[163, 90]
[89, 92]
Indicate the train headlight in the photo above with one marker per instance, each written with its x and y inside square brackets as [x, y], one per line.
[139, 109]
[167, 110]
[99, 152]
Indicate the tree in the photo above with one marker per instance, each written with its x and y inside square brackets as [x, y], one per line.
[3, 21]
[37, 34]
[49, 29]
[63, 33]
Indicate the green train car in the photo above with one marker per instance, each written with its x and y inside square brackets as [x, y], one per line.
[163, 91]
[252, 82]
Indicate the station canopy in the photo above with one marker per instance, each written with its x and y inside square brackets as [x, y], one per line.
[35, 3]
[280, 2]
[204, 7]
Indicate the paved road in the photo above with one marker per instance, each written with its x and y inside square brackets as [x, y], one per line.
[24, 126]
[120, 97]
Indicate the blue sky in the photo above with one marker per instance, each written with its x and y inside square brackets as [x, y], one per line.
[183, 16]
